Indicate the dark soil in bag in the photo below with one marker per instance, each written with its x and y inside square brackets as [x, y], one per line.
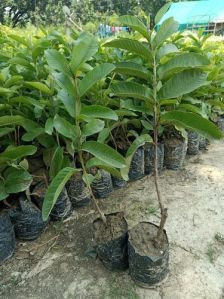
[111, 241]
[78, 192]
[7, 237]
[27, 220]
[149, 158]
[118, 183]
[148, 266]
[193, 143]
[136, 170]
[102, 187]
[203, 143]
[174, 153]
[220, 124]
[63, 206]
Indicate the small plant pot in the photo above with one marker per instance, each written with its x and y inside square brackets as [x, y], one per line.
[193, 143]
[111, 241]
[7, 237]
[63, 207]
[136, 170]
[220, 124]
[203, 143]
[27, 220]
[148, 266]
[118, 183]
[102, 187]
[149, 158]
[174, 153]
[78, 192]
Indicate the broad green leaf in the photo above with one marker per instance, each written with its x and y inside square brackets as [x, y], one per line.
[3, 193]
[21, 61]
[92, 127]
[104, 153]
[125, 112]
[68, 101]
[132, 90]
[183, 83]
[133, 69]
[14, 80]
[14, 153]
[166, 49]
[130, 45]
[192, 121]
[183, 61]
[103, 135]
[17, 180]
[147, 125]
[57, 61]
[94, 162]
[216, 103]
[66, 83]
[190, 108]
[162, 12]
[40, 86]
[31, 135]
[64, 127]
[98, 73]
[85, 47]
[5, 131]
[5, 91]
[55, 189]
[168, 102]
[97, 111]
[129, 104]
[46, 140]
[49, 126]
[56, 162]
[19, 39]
[26, 101]
[134, 23]
[167, 28]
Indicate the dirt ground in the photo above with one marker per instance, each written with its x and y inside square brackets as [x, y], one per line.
[59, 264]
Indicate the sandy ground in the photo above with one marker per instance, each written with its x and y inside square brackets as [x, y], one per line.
[57, 265]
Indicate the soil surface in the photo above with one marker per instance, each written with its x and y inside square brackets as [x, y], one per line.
[116, 227]
[142, 238]
[61, 264]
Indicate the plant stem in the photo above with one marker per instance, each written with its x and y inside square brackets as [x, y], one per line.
[90, 189]
[158, 242]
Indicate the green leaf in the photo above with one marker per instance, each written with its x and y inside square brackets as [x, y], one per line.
[132, 69]
[130, 45]
[26, 101]
[97, 111]
[64, 127]
[183, 83]
[162, 12]
[40, 86]
[96, 74]
[192, 121]
[128, 104]
[5, 91]
[31, 135]
[85, 47]
[66, 83]
[132, 90]
[134, 23]
[21, 61]
[5, 131]
[92, 127]
[49, 126]
[19, 39]
[3, 193]
[104, 153]
[166, 50]
[168, 102]
[68, 101]
[17, 180]
[94, 162]
[57, 61]
[54, 190]
[183, 61]
[56, 162]
[14, 80]
[190, 108]
[14, 153]
[103, 135]
[167, 28]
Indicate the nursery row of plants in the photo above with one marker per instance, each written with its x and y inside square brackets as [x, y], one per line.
[80, 117]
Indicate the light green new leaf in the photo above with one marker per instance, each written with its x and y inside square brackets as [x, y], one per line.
[130, 45]
[55, 189]
[19, 39]
[132, 90]
[17, 180]
[97, 111]
[162, 12]
[40, 86]
[192, 121]
[183, 61]
[183, 83]
[96, 74]
[9, 120]
[49, 126]
[133, 69]
[65, 128]
[57, 61]
[134, 23]
[14, 153]
[5, 91]
[92, 127]
[105, 153]
[167, 28]
[56, 162]
[85, 47]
